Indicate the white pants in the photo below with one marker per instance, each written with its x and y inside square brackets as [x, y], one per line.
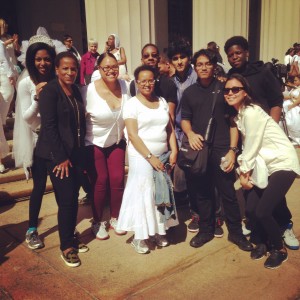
[6, 96]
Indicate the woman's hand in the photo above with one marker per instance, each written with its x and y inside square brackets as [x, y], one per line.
[230, 158]
[173, 158]
[12, 81]
[39, 88]
[244, 180]
[195, 140]
[156, 163]
[62, 169]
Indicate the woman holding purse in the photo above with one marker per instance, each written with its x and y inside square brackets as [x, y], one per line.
[264, 142]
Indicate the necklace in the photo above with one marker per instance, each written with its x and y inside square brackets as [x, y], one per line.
[76, 114]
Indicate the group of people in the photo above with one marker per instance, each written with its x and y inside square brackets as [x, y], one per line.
[64, 131]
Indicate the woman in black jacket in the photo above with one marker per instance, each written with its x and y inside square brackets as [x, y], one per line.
[60, 144]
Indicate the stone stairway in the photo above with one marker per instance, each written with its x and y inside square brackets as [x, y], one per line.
[13, 183]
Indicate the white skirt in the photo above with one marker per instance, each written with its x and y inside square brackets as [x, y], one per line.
[138, 211]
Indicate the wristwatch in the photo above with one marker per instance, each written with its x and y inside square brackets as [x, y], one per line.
[149, 156]
[234, 149]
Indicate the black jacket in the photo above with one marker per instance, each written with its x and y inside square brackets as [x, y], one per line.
[58, 136]
[265, 86]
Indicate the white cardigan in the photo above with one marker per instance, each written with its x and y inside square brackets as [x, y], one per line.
[262, 136]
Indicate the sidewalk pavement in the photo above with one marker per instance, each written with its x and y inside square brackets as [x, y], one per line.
[113, 270]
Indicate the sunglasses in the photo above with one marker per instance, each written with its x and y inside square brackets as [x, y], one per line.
[145, 56]
[234, 90]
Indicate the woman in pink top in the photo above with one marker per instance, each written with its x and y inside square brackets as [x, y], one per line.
[105, 143]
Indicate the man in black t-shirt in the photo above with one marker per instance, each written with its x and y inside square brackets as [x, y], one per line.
[197, 108]
[164, 86]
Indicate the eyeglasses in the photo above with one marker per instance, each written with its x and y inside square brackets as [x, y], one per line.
[234, 90]
[206, 65]
[144, 82]
[175, 58]
[70, 41]
[108, 68]
[154, 55]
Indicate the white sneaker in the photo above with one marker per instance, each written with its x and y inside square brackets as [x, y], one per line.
[99, 230]
[2, 168]
[140, 246]
[290, 239]
[113, 224]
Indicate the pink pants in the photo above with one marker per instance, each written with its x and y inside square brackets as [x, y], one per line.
[105, 167]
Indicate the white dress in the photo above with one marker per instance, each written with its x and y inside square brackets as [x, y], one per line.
[122, 68]
[138, 211]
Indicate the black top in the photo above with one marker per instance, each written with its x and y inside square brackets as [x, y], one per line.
[58, 137]
[164, 87]
[265, 86]
[197, 108]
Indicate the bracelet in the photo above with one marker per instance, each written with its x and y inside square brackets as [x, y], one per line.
[148, 156]
[234, 149]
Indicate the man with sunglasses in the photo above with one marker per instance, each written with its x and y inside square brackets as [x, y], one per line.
[267, 91]
[164, 86]
[199, 102]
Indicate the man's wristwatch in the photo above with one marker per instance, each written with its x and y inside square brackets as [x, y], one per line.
[149, 156]
[234, 149]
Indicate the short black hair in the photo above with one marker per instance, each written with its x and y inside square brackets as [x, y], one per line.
[65, 54]
[30, 60]
[142, 68]
[236, 40]
[211, 55]
[181, 46]
[67, 36]
[150, 45]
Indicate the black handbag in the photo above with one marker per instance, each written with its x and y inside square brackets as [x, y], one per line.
[195, 161]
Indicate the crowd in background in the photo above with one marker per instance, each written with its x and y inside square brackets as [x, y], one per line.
[77, 115]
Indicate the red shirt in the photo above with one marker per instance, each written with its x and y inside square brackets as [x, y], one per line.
[87, 65]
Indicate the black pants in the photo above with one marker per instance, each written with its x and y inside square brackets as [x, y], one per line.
[66, 194]
[202, 196]
[260, 206]
[39, 176]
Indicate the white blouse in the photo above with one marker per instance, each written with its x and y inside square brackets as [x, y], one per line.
[104, 127]
[262, 136]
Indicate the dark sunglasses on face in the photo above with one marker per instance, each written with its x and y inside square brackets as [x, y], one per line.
[234, 90]
[154, 55]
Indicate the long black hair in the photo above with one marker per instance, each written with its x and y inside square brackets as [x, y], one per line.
[30, 61]
[249, 99]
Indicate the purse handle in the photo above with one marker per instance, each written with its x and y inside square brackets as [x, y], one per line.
[215, 93]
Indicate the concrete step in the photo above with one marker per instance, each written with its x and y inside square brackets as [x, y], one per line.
[12, 175]
[19, 190]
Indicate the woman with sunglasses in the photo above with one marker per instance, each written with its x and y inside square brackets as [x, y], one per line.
[151, 135]
[266, 145]
[106, 143]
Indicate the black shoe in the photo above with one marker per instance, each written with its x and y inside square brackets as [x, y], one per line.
[200, 239]
[275, 259]
[259, 251]
[241, 242]
[194, 224]
[219, 232]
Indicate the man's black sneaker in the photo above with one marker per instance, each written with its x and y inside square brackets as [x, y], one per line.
[275, 259]
[259, 251]
[200, 239]
[194, 224]
[241, 241]
[219, 232]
